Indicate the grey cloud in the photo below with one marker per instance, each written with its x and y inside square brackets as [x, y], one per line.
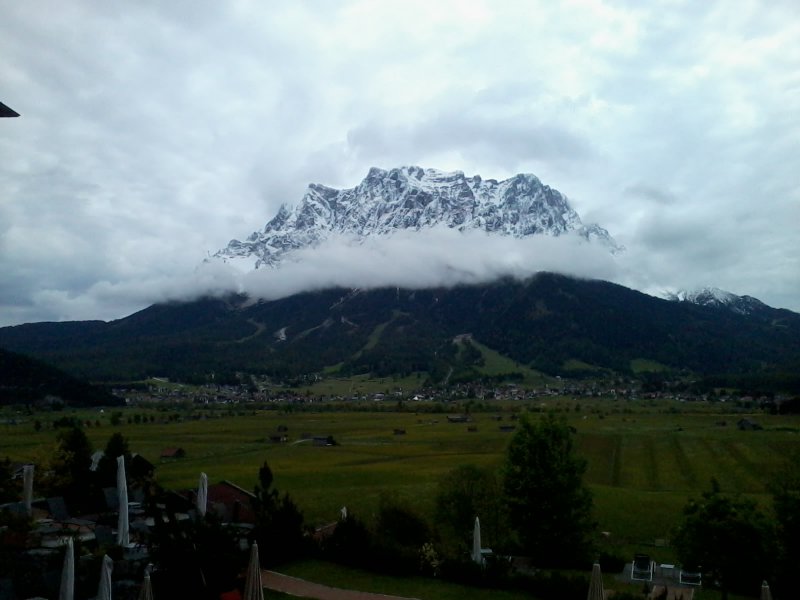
[650, 193]
[483, 139]
[150, 138]
[437, 257]
[432, 258]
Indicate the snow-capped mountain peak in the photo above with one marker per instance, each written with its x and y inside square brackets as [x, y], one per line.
[413, 198]
[715, 297]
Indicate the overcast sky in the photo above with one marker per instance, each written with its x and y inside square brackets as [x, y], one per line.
[152, 133]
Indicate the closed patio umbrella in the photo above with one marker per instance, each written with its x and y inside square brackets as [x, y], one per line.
[67, 589]
[596, 591]
[27, 488]
[476, 542]
[104, 589]
[253, 589]
[146, 593]
[202, 495]
[765, 593]
[123, 533]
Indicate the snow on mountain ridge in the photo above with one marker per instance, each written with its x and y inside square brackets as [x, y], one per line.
[413, 198]
[715, 297]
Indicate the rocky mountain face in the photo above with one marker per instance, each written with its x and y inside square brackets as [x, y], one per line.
[717, 298]
[415, 198]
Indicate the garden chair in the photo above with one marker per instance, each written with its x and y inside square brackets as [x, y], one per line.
[642, 568]
[690, 576]
[58, 508]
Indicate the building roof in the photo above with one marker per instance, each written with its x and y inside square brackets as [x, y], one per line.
[238, 502]
[172, 452]
[5, 111]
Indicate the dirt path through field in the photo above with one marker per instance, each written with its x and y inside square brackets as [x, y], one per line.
[300, 587]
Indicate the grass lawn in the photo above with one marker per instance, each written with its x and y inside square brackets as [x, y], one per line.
[495, 363]
[427, 588]
[424, 588]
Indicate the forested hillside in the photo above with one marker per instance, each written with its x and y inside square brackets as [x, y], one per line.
[543, 323]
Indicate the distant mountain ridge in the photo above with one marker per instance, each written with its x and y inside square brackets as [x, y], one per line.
[546, 323]
[413, 198]
[715, 297]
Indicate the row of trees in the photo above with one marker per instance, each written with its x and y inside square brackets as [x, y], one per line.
[536, 505]
[66, 471]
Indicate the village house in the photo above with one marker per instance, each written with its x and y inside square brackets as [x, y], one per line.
[172, 453]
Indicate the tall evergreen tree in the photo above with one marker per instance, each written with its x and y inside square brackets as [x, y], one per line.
[279, 528]
[69, 465]
[549, 507]
[116, 446]
[464, 493]
[9, 492]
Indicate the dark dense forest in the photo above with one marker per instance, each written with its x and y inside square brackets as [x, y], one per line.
[25, 380]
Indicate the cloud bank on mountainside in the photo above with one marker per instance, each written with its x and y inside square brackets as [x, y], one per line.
[424, 259]
[437, 257]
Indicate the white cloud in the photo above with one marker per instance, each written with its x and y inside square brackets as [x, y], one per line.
[424, 259]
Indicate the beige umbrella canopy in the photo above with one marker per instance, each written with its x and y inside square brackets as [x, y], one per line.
[146, 592]
[104, 588]
[596, 591]
[765, 593]
[253, 589]
[67, 589]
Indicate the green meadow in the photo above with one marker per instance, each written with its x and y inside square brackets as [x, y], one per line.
[644, 459]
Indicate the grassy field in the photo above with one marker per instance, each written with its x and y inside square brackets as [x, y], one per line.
[495, 363]
[360, 385]
[644, 460]
[409, 587]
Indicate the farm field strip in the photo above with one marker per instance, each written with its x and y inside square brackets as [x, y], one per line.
[724, 468]
[685, 464]
[599, 450]
[745, 457]
[651, 464]
[634, 462]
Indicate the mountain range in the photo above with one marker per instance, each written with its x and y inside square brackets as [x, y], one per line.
[715, 297]
[412, 198]
[548, 322]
